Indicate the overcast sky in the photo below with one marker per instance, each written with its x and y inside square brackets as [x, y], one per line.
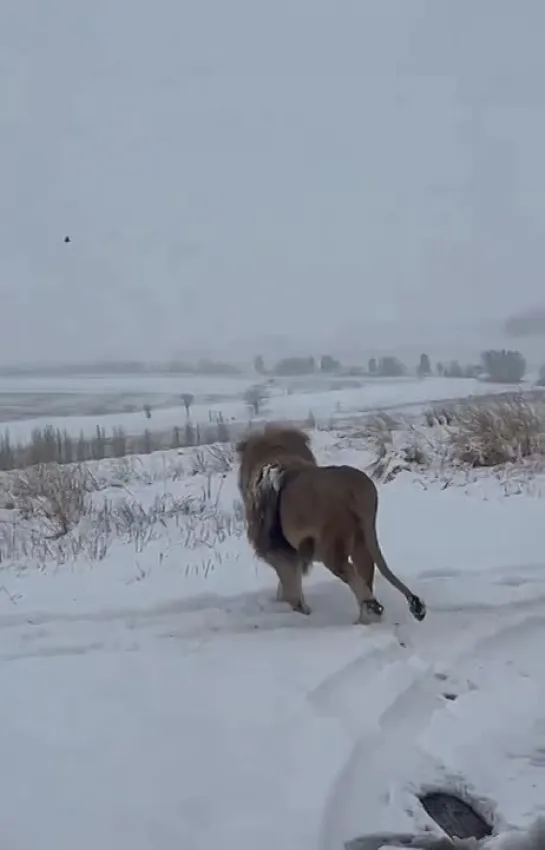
[232, 168]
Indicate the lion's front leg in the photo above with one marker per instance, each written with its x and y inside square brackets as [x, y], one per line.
[290, 583]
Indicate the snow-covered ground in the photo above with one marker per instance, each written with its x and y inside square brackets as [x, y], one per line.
[282, 403]
[160, 698]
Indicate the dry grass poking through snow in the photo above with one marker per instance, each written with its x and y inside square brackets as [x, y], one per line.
[55, 495]
[59, 513]
[396, 444]
[214, 459]
[481, 433]
[505, 431]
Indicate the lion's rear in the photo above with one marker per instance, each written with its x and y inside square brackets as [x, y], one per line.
[324, 504]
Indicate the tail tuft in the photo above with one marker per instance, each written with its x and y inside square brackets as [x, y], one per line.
[417, 607]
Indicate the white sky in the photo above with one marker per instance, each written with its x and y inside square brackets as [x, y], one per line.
[221, 164]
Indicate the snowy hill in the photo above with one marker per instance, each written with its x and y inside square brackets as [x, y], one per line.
[156, 696]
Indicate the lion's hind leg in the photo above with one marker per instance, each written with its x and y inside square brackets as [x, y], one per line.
[370, 608]
[289, 570]
[360, 582]
[363, 560]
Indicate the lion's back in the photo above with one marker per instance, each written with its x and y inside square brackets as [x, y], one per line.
[327, 496]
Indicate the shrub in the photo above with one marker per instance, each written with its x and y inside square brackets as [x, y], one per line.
[212, 459]
[396, 446]
[56, 495]
[501, 431]
[378, 432]
[440, 414]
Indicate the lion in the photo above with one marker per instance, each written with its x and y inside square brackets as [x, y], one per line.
[298, 512]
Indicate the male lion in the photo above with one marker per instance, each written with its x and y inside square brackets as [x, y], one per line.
[298, 512]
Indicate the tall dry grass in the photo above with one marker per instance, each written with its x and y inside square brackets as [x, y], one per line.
[487, 434]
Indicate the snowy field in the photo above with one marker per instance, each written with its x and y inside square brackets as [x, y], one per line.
[214, 397]
[26, 396]
[155, 696]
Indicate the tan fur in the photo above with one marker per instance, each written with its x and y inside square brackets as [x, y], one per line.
[298, 512]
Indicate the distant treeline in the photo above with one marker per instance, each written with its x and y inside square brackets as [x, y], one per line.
[499, 366]
[203, 366]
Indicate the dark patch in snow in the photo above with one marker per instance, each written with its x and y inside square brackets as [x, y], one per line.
[456, 817]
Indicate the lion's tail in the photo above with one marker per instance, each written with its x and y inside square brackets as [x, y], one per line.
[416, 605]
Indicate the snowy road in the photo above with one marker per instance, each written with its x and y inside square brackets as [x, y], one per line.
[239, 725]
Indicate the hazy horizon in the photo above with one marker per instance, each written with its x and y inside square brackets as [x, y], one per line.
[244, 171]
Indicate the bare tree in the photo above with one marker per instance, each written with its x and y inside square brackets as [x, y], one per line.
[254, 398]
[187, 400]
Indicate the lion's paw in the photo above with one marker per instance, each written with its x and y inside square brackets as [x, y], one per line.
[370, 612]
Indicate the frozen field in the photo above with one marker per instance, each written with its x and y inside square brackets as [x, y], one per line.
[213, 397]
[159, 698]
[41, 397]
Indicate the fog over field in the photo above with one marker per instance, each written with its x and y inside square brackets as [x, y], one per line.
[242, 175]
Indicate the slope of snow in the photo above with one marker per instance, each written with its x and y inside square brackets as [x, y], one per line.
[162, 699]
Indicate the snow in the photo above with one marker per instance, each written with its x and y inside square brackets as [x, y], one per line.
[323, 401]
[161, 698]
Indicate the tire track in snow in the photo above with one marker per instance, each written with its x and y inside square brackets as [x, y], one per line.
[337, 690]
[385, 755]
